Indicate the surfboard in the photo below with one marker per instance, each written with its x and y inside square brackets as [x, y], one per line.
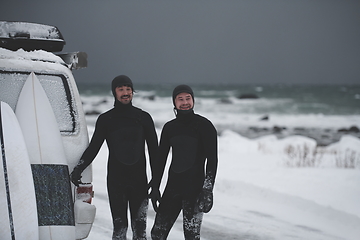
[48, 162]
[18, 214]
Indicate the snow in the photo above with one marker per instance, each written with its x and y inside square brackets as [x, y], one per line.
[35, 31]
[26, 55]
[257, 196]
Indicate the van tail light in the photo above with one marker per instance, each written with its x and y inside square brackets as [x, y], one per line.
[85, 193]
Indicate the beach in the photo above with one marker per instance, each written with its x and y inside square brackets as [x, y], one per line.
[267, 187]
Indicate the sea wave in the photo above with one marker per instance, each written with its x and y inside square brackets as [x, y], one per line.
[251, 118]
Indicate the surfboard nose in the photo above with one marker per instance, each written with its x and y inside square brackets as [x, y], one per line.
[39, 125]
[18, 210]
[48, 161]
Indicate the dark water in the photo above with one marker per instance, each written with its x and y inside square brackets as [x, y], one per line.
[325, 110]
[286, 99]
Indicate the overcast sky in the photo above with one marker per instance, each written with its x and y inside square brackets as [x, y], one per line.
[223, 41]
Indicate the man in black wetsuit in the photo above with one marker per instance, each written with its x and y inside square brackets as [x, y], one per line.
[125, 129]
[193, 140]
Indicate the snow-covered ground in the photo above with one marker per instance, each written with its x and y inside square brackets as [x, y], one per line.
[258, 195]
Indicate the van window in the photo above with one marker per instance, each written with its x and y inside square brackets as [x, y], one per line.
[56, 88]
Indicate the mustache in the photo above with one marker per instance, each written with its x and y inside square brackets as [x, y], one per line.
[185, 106]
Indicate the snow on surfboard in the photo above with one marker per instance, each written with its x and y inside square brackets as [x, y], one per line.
[48, 162]
[18, 214]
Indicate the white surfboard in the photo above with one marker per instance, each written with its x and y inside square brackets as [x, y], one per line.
[18, 213]
[48, 162]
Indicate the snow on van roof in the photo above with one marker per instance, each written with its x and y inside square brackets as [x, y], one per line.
[30, 36]
[36, 31]
[31, 55]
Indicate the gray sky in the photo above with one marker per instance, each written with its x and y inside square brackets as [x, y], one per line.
[206, 41]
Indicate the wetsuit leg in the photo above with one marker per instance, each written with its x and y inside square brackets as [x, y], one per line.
[118, 200]
[138, 213]
[166, 216]
[192, 219]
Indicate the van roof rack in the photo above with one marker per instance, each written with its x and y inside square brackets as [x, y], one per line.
[30, 36]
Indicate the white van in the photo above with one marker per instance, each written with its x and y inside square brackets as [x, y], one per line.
[29, 47]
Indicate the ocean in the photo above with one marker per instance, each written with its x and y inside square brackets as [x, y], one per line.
[322, 112]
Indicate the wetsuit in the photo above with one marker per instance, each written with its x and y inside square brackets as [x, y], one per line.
[193, 140]
[125, 129]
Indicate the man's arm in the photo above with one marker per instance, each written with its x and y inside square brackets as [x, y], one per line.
[90, 153]
[158, 168]
[211, 148]
[151, 140]
[205, 199]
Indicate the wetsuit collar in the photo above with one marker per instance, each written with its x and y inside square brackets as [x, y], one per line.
[122, 107]
[184, 115]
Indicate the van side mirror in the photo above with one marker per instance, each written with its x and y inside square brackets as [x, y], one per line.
[74, 60]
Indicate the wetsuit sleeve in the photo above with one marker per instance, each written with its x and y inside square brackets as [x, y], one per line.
[209, 134]
[94, 146]
[159, 165]
[151, 140]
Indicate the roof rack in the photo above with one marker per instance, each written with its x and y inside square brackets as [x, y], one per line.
[30, 36]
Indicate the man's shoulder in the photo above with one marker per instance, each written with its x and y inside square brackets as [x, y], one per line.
[137, 109]
[202, 118]
[205, 123]
[170, 122]
[104, 117]
[107, 113]
[141, 111]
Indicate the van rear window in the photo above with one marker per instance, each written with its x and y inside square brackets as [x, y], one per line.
[56, 88]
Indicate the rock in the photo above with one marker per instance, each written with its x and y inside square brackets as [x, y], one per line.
[151, 97]
[342, 130]
[93, 112]
[265, 118]
[100, 102]
[225, 100]
[354, 129]
[248, 96]
[278, 129]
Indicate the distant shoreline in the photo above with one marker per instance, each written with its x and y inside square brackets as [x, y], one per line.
[323, 137]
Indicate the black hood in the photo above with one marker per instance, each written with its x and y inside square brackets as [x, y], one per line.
[182, 89]
[119, 81]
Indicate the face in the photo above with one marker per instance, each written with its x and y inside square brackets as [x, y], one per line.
[184, 101]
[124, 94]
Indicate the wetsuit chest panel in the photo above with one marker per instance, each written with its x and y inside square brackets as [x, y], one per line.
[184, 151]
[127, 144]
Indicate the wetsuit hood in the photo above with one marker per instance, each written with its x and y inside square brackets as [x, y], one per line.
[119, 81]
[182, 89]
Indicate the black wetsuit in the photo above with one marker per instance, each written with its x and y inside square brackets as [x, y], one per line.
[125, 129]
[193, 140]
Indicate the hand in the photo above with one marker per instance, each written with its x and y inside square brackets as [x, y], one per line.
[155, 199]
[205, 200]
[155, 196]
[75, 177]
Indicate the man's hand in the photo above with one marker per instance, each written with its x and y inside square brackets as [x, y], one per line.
[155, 196]
[75, 177]
[205, 200]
